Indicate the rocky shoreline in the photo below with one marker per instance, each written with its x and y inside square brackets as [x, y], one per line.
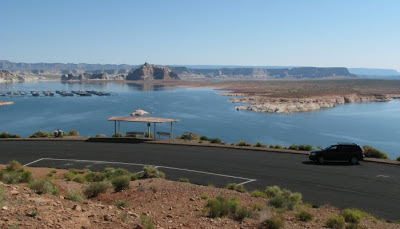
[294, 105]
[5, 103]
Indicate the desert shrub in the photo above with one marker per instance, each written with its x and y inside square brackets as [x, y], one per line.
[100, 136]
[258, 193]
[151, 172]
[14, 166]
[285, 199]
[79, 179]
[26, 177]
[236, 187]
[120, 183]
[7, 135]
[352, 215]
[304, 216]
[69, 176]
[215, 140]
[195, 136]
[184, 180]
[95, 189]
[335, 221]
[258, 207]
[42, 186]
[146, 222]
[278, 147]
[204, 196]
[204, 138]
[75, 195]
[111, 172]
[370, 151]
[219, 207]
[398, 159]
[1, 195]
[243, 143]
[134, 176]
[272, 191]
[211, 185]
[118, 135]
[11, 177]
[259, 144]
[274, 222]
[51, 173]
[242, 213]
[40, 134]
[94, 177]
[148, 135]
[121, 203]
[294, 147]
[308, 147]
[73, 133]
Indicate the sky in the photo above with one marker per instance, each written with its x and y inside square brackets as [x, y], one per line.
[322, 33]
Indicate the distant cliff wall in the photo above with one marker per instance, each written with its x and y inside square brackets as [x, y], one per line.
[152, 72]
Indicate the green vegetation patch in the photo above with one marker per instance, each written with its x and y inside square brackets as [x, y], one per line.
[259, 144]
[258, 193]
[14, 166]
[96, 188]
[370, 151]
[185, 180]
[236, 187]
[220, 207]
[335, 221]
[275, 222]
[146, 222]
[243, 143]
[151, 172]
[283, 199]
[352, 215]
[40, 134]
[121, 203]
[42, 186]
[75, 195]
[304, 216]
[15, 174]
[73, 133]
[7, 135]
[94, 177]
[120, 183]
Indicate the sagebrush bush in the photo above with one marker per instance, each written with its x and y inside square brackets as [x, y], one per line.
[220, 207]
[7, 135]
[73, 133]
[335, 221]
[285, 199]
[134, 177]
[121, 203]
[40, 134]
[204, 138]
[186, 180]
[118, 135]
[370, 151]
[69, 176]
[146, 221]
[94, 177]
[215, 140]
[51, 173]
[294, 147]
[75, 195]
[258, 193]
[11, 177]
[1, 195]
[111, 172]
[151, 172]
[42, 186]
[274, 222]
[304, 216]
[352, 215]
[100, 136]
[272, 191]
[95, 189]
[242, 213]
[278, 147]
[79, 179]
[14, 166]
[26, 177]
[259, 144]
[204, 196]
[243, 143]
[120, 183]
[258, 207]
[236, 187]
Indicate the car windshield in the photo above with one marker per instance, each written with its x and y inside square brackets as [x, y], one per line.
[328, 147]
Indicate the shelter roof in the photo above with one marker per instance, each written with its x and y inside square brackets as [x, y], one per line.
[142, 119]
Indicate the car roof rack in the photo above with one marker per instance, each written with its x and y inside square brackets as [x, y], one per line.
[346, 143]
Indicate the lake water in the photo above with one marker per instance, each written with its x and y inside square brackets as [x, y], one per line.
[199, 110]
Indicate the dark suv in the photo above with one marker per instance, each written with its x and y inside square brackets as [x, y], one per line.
[341, 152]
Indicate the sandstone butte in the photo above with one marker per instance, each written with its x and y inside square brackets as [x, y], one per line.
[293, 105]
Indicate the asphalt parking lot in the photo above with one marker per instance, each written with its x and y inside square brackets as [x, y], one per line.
[369, 186]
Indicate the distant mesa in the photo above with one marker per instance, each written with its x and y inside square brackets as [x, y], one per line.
[85, 76]
[7, 76]
[148, 72]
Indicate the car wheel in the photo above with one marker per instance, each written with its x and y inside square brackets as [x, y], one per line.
[354, 160]
[321, 160]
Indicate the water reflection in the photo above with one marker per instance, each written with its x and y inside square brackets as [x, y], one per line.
[147, 86]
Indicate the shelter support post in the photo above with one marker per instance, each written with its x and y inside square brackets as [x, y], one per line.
[171, 134]
[115, 129]
[154, 131]
[148, 129]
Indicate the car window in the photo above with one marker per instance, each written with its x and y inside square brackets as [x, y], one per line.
[333, 148]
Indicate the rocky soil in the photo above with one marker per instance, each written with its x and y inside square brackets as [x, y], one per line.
[166, 204]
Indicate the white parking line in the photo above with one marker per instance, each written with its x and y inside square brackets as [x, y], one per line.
[248, 180]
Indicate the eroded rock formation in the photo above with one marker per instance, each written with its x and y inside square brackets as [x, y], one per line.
[7, 76]
[152, 72]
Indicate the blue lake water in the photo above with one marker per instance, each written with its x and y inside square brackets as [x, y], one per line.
[199, 110]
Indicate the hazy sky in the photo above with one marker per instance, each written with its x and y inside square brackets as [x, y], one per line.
[347, 33]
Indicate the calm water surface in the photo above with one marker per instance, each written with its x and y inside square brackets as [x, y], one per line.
[199, 110]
